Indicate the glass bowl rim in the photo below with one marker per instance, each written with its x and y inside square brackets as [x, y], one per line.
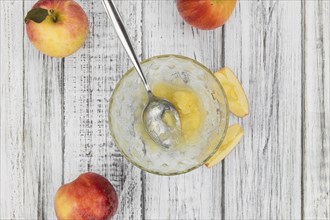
[215, 149]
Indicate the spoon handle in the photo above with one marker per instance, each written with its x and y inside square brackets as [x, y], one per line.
[113, 13]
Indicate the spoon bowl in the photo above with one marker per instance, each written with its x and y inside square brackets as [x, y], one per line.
[164, 133]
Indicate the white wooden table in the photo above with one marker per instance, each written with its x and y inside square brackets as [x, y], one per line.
[54, 126]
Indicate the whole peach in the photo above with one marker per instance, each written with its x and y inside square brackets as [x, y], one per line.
[206, 14]
[57, 28]
[90, 196]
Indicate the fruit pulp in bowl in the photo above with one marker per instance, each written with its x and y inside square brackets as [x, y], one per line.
[199, 99]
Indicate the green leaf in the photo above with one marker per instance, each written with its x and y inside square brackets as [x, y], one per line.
[37, 15]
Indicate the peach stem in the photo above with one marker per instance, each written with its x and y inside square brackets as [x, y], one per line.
[53, 15]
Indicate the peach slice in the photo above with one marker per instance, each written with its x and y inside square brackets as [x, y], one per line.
[237, 101]
[232, 138]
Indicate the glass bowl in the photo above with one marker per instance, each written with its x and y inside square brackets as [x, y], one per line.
[129, 99]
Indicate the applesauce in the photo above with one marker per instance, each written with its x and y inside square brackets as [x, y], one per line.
[190, 110]
[188, 105]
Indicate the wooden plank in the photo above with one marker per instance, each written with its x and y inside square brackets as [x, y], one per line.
[263, 174]
[196, 195]
[90, 77]
[43, 132]
[11, 111]
[316, 193]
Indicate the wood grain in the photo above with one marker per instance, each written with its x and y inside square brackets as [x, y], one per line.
[263, 44]
[196, 195]
[12, 149]
[316, 138]
[90, 77]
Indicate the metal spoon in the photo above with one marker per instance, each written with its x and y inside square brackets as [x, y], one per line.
[159, 130]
